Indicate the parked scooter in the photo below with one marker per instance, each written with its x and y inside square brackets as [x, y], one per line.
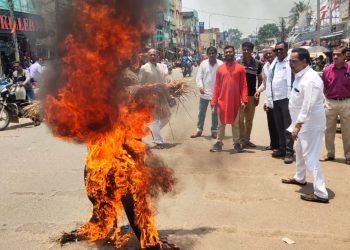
[12, 109]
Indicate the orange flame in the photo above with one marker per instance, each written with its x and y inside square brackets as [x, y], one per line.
[92, 107]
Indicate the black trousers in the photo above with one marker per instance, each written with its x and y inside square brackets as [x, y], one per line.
[282, 122]
[274, 141]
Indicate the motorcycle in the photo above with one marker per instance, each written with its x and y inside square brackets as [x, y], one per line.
[187, 65]
[187, 70]
[12, 109]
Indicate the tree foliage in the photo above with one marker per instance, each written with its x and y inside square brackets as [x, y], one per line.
[234, 37]
[296, 10]
[269, 30]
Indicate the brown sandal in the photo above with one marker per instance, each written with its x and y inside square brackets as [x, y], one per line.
[197, 134]
[293, 181]
[313, 198]
[327, 158]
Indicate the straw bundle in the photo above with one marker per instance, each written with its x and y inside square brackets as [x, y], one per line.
[180, 88]
[32, 111]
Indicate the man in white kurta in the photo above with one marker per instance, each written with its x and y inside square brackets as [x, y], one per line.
[153, 72]
[306, 107]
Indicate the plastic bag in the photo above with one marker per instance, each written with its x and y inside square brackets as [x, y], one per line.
[20, 93]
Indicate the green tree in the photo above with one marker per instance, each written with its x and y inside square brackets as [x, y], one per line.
[234, 37]
[269, 30]
[295, 12]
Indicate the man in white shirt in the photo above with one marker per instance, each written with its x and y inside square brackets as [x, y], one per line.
[205, 82]
[278, 88]
[22, 78]
[270, 55]
[153, 72]
[35, 70]
[308, 124]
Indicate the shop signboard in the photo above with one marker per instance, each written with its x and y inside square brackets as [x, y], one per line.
[27, 21]
[24, 23]
[201, 27]
[344, 10]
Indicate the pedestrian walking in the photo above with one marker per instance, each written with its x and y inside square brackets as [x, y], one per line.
[269, 55]
[336, 78]
[253, 71]
[279, 85]
[306, 106]
[205, 82]
[153, 72]
[229, 96]
[35, 70]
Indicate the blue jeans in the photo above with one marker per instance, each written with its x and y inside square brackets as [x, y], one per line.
[29, 94]
[203, 105]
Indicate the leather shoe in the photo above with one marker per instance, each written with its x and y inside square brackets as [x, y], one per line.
[278, 154]
[250, 145]
[198, 134]
[214, 135]
[288, 159]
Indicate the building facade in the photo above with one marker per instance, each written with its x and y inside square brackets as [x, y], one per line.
[178, 35]
[210, 37]
[27, 25]
[190, 29]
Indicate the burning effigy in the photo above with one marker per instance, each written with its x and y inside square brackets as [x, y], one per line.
[98, 104]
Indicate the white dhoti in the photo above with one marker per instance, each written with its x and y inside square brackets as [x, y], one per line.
[307, 149]
[155, 127]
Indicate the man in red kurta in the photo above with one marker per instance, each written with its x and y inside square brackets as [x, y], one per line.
[230, 94]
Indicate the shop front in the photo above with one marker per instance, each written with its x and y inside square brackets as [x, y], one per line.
[28, 28]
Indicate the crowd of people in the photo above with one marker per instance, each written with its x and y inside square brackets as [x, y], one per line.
[301, 107]
[26, 76]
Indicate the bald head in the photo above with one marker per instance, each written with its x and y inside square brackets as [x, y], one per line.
[269, 54]
[152, 56]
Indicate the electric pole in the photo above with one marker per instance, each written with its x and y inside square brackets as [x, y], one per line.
[13, 31]
[331, 14]
[318, 25]
[283, 29]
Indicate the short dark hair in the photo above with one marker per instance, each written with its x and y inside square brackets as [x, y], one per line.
[19, 63]
[342, 49]
[248, 45]
[285, 44]
[302, 54]
[213, 49]
[229, 47]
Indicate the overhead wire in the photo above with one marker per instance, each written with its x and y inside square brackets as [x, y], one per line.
[226, 15]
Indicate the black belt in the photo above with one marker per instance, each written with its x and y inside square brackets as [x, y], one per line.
[340, 98]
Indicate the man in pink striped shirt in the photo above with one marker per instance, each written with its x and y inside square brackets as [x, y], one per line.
[336, 78]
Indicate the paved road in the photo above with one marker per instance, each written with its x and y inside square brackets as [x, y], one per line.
[222, 201]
